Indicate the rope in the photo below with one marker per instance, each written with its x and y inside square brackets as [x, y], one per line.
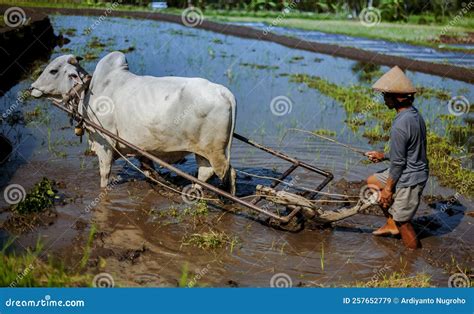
[359, 151]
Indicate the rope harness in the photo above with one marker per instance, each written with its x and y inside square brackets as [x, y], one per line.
[73, 99]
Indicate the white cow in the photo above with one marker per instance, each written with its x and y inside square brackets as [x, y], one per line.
[169, 117]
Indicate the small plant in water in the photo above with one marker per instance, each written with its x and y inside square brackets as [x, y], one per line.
[324, 132]
[211, 240]
[40, 197]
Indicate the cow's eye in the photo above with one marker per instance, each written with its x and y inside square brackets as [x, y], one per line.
[53, 72]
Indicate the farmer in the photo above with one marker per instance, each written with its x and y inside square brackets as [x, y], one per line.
[401, 185]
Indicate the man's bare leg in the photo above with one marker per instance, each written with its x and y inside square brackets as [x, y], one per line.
[390, 228]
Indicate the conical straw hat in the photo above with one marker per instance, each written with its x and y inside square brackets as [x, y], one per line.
[394, 81]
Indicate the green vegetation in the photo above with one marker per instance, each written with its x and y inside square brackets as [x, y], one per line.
[40, 197]
[69, 31]
[211, 240]
[90, 56]
[259, 66]
[95, 43]
[324, 132]
[361, 109]
[376, 134]
[296, 59]
[397, 280]
[87, 248]
[184, 279]
[129, 49]
[355, 99]
[367, 71]
[29, 270]
[427, 92]
[446, 167]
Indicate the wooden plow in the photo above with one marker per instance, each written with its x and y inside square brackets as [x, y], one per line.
[295, 204]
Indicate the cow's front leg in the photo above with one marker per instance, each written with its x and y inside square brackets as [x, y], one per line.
[106, 158]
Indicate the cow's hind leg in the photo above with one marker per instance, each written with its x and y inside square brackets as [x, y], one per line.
[224, 171]
[230, 180]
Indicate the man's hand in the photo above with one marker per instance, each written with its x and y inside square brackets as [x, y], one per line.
[386, 198]
[375, 157]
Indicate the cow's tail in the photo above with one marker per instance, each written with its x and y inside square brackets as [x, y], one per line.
[230, 176]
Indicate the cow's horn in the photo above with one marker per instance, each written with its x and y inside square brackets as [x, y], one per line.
[74, 60]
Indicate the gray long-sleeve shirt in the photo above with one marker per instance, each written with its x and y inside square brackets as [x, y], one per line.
[408, 161]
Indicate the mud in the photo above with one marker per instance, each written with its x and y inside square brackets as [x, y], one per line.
[468, 39]
[18, 224]
[444, 70]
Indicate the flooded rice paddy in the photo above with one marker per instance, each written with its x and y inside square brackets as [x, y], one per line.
[143, 231]
[422, 53]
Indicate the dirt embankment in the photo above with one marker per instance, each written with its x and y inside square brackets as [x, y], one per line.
[443, 70]
[25, 37]
[446, 39]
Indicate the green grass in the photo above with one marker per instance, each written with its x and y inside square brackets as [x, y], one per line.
[259, 66]
[397, 280]
[29, 270]
[211, 240]
[324, 132]
[88, 247]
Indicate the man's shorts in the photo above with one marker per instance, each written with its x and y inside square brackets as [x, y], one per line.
[405, 199]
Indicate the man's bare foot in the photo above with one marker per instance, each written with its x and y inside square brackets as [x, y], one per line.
[390, 228]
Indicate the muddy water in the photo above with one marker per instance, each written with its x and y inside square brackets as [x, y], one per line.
[141, 245]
